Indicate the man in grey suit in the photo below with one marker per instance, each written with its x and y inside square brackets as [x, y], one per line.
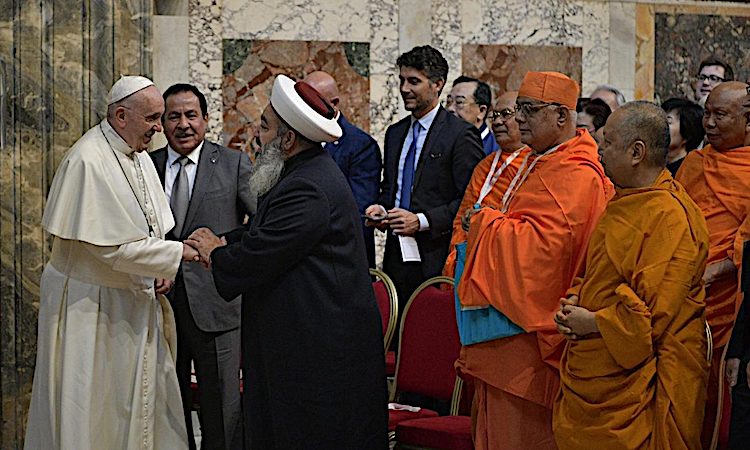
[207, 186]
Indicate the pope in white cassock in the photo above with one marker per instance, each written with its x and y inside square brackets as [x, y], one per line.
[105, 376]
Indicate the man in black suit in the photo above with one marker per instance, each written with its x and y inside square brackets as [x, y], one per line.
[207, 185]
[429, 158]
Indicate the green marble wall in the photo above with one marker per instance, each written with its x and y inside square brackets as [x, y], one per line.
[58, 59]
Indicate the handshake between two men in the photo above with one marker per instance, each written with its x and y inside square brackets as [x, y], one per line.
[197, 248]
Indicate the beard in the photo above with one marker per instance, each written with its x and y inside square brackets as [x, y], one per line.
[267, 170]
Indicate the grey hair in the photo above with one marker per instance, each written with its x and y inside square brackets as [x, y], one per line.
[618, 94]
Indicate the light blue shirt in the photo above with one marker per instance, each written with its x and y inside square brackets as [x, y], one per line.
[426, 122]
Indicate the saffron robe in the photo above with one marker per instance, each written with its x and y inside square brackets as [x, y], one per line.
[521, 262]
[641, 382]
[493, 199]
[105, 375]
[719, 183]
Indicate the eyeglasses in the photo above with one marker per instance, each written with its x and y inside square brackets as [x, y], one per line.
[711, 78]
[528, 109]
[459, 102]
[503, 114]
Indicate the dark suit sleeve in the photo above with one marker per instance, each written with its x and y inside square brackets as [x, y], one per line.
[467, 152]
[389, 168]
[364, 173]
[739, 344]
[295, 221]
[243, 183]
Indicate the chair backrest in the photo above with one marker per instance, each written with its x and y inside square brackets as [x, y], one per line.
[387, 298]
[428, 342]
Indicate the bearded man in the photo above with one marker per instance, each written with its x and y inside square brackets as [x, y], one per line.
[311, 336]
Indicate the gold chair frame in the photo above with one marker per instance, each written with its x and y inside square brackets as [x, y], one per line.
[390, 329]
[417, 291]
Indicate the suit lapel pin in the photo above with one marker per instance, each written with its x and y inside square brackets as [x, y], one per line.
[213, 160]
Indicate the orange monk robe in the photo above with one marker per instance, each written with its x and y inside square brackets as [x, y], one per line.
[521, 263]
[719, 183]
[493, 199]
[641, 382]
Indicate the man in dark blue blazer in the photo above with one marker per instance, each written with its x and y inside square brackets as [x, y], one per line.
[471, 100]
[429, 158]
[356, 153]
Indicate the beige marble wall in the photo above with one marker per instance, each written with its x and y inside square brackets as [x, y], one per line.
[57, 61]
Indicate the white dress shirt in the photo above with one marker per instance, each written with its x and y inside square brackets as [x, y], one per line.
[173, 169]
[426, 122]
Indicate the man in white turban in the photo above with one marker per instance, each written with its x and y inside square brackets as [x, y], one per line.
[312, 345]
[105, 375]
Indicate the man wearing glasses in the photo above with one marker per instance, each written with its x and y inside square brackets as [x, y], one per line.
[471, 100]
[711, 72]
[503, 166]
[521, 258]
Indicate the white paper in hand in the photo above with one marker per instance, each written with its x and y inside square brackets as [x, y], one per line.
[409, 249]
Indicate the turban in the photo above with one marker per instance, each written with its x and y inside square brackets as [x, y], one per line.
[303, 108]
[127, 86]
[550, 87]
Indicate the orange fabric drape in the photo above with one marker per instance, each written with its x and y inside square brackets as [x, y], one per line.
[521, 262]
[493, 199]
[719, 182]
[641, 382]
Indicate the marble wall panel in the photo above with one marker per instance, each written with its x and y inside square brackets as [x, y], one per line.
[205, 53]
[447, 36]
[250, 68]
[504, 66]
[58, 59]
[322, 20]
[385, 101]
[684, 40]
[724, 30]
[565, 23]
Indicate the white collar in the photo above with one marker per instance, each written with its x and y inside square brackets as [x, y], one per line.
[427, 119]
[485, 131]
[114, 139]
[193, 156]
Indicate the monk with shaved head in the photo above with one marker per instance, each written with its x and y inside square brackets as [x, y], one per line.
[717, 177]
[633, 375]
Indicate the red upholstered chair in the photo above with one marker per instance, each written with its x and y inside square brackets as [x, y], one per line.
[387, 298]
[441, 433]
[428, 348]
